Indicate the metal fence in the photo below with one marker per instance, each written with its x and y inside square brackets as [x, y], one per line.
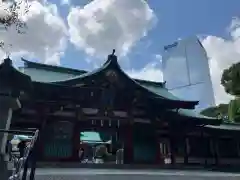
[19, 163]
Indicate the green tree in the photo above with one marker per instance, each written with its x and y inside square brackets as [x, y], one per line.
[231, 82]
[11, 13]
[234, 110]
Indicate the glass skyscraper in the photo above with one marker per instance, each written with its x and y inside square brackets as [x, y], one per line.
[186, 71]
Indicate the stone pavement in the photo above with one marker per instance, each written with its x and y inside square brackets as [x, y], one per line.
[112, 174]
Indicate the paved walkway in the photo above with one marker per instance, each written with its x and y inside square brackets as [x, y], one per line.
[107, 174]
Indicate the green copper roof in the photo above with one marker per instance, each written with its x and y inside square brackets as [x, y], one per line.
[77, 73]
[92, 137]
[160, 90]
[35, 65]
[191, 114]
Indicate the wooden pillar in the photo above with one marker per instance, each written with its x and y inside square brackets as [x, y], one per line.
[159, 155]
[158, 151]
[173, 149]
[42, 116]
[186, 150]
[238, 148]
[217, 151]
[206, 149]
[214, 142]
[157, 140]
[172, 140]
[75, 142]
[128, 143]
[76, 134]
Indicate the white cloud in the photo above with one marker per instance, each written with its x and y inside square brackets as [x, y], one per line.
[222, 54]
[65, 2]
[158, 57]
[150, 72]
[103, 25]
[44, 38]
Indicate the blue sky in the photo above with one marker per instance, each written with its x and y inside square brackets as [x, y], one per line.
[176, 19]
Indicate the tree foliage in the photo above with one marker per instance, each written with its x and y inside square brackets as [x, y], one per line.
[12, 12]
[231, 79]
[10, 15]
[231, 82]
[234, 110]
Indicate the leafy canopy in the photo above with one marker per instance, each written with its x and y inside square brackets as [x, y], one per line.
[231, 79]
[11, 13]
[231, 82]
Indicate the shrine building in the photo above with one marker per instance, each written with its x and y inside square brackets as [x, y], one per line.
[140, 116]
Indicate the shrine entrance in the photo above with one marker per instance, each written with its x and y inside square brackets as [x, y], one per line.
[58, 144]
[145, 144]
[90, 134]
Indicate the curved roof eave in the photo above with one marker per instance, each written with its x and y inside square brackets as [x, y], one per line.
[192, 115]
[12, 77]
[184, 103]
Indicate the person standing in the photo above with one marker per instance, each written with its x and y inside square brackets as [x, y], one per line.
[21, 148]
[81, 154]
[9, 150]
[119, 156]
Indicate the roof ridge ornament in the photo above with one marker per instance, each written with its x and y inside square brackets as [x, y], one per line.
[112, 57]
[113, 51]
[7, 61]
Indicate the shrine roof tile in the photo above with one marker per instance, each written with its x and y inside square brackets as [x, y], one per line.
[76, 72]
[60, 69]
